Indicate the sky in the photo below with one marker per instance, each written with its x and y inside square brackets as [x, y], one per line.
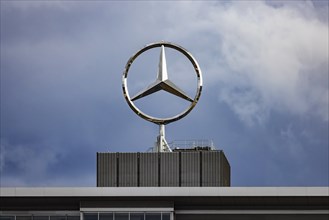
[264, 100]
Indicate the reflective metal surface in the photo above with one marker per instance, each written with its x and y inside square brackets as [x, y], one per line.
[162, 82]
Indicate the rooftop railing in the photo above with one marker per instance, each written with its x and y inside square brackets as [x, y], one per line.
[192, 144]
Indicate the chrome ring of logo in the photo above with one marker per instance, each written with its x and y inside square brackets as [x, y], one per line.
[162, 83]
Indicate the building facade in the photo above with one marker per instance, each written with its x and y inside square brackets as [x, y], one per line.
[165, 203]
[181, 168]
[189, 184]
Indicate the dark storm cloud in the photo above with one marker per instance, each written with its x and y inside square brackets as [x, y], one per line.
[265, 98]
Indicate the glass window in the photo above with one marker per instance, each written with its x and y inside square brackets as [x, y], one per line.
[2, 217]
[40, 217]
[24, 217]
[153, 216]
[105, 216]
[73, 217]
[57, 218]
[121, 216]
[165, 216]
[136, 216]
[90, 216]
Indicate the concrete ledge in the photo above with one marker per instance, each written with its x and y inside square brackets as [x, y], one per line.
[162, 191]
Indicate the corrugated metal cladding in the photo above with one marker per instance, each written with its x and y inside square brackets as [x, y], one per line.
[226, 171]
[187, 169]
[211, 168]
[149, 169]
[127, 169]
[169, 169]
[190, 169]
[106, 169]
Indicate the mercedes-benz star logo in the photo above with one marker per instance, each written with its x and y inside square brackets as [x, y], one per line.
[162, 82]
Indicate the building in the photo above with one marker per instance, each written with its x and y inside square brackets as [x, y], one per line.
[182, 185]
[199, 166]
[165, 203]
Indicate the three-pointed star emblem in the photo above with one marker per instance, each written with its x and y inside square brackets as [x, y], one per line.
[162, 82]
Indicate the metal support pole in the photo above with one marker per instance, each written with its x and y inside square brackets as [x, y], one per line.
[162, 145]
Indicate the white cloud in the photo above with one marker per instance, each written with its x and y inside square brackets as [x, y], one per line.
[247, 104]
[30, 4]
[292, 144]
[278, 53]
[31, 163]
